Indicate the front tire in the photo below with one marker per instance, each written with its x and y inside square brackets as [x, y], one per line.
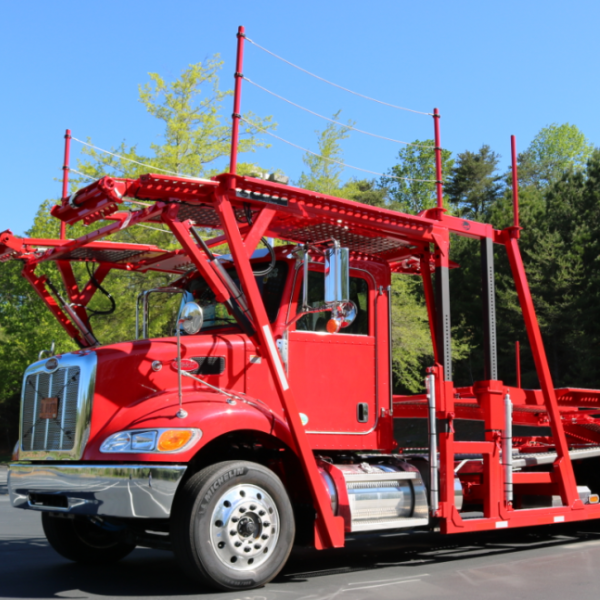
[81, 541]
[232, 526]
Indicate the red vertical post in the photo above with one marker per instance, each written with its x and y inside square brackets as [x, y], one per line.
[518, 362]
[430, 302]
[438, 160]
[515, 181]
[65, 187]
[237, 99]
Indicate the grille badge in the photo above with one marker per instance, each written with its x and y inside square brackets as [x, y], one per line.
[51, 364]
[49, 409]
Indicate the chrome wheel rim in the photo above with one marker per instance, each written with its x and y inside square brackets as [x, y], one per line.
[244, 527]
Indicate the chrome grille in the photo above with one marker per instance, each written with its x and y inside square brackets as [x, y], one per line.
[50, 434]
[64, 436]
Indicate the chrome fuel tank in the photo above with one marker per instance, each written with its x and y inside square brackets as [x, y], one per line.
[384, 496]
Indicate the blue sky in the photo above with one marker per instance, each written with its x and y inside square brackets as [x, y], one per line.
[493, 69]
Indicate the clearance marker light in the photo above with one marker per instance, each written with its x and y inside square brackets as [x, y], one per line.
[333, 325]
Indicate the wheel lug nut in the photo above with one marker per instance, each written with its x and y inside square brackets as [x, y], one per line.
[235, 519]
[257, 546]
[238, 544]
[232, 532]
[253, 507]
[242, 510]
[247, 549]
[266, 524]
[261, 513]
[264, 536]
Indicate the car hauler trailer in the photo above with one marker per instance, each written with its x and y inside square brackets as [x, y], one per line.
[270, 412]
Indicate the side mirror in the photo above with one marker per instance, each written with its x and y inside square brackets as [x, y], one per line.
[191, 318]
[342, 315]
[337, 274]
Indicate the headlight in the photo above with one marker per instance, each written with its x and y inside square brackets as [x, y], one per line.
[151, 440]
[144, 441]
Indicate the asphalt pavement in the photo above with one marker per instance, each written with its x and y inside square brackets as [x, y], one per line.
[509, 565]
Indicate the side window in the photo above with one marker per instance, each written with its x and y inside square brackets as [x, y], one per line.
[359, 294]
[216, 314]
[271, 287]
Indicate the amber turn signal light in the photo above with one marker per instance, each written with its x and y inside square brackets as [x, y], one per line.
[173, 439]
[333, 326]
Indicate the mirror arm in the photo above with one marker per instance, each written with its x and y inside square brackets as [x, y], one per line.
[307, 312]
[181, 414]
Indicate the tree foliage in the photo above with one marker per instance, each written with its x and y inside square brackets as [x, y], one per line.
[410, 183]
[366, 191]
[474, 184]
[190, 108]
[554, 150]
[324, 168]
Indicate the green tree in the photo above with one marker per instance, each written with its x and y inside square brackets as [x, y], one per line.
[473, 184]
[412, 349]
[324, 168]
[366, 191]
[560, 249]
[555, 149]
[410, 184]
[195, 133]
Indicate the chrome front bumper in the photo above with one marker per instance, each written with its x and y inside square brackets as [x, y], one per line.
[136, 491]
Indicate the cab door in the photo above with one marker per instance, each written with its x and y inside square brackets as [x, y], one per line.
[333, 375]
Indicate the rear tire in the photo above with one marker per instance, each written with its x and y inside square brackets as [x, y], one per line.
[232, 526]
[81, 541]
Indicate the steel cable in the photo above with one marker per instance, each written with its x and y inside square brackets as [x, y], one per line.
[335, 84]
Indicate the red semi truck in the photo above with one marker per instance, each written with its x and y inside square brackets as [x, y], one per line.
[268, 415]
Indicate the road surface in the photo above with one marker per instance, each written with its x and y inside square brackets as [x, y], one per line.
[543, 563]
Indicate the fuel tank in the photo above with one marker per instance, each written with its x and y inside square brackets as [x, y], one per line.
[376, 497]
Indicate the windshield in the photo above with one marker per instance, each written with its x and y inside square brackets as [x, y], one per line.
[216, 313]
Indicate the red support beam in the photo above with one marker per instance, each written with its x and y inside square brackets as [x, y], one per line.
[329, 529]
[563, 463]
[182, 233]
[65, 269]
[39, 285]
[132, 219]
[90, 288]
[258, 229]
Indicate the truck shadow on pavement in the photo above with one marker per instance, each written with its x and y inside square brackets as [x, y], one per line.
[152, 573]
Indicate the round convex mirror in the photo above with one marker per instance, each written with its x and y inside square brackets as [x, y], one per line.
[191, 318]
[349, 313]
